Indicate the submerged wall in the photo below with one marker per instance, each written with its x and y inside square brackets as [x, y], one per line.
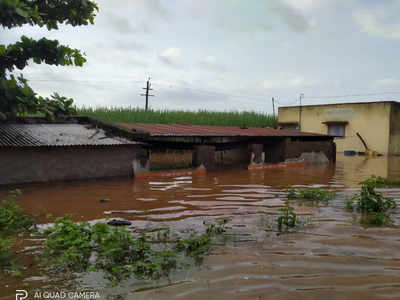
[294, 148]
[170, 159]
[263, 151]
[67, 163]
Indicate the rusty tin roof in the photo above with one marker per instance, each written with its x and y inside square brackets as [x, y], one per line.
[213, 131]
[56, 135]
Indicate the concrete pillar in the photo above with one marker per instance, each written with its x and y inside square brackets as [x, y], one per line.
[141, 163]
[257, 154]
[204, 155]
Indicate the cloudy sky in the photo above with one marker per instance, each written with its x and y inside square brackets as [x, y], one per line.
[228, 54]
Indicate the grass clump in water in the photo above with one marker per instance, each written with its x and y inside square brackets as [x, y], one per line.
[287, 218]
[313, 194]
[286, 221]
[118, 253]
[374, 207]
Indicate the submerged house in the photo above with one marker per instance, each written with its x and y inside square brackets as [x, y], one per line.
[360, 127]
[34, 150]
[216, 146]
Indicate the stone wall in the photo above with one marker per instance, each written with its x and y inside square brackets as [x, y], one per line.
[66, 163]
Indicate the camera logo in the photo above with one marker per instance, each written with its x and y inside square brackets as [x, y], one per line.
[21, 294]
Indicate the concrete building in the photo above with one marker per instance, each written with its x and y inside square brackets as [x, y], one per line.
[355, 126]
[33, 150]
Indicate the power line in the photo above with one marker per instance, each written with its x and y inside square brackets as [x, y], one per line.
[213, 92]
[85, 80]
[352, 95]
[290, 103]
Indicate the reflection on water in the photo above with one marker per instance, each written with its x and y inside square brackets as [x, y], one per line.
[335, 258]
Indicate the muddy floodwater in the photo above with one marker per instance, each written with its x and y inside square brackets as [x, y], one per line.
[332, 257]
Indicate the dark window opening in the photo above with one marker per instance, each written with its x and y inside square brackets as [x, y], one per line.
[336, 130]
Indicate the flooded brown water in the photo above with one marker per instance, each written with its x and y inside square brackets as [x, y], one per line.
[332, 258]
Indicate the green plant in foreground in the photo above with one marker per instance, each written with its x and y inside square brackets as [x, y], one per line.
[68, 244]
[16, 97]
[313, 194]
[13, 220]
[374, 207]
[195, 245]
[83, 247]
[6, 255]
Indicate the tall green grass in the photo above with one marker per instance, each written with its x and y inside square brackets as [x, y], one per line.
[201, 117]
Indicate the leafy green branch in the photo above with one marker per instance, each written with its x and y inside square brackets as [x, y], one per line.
[43, 50]
[16, 97]
[47, 13]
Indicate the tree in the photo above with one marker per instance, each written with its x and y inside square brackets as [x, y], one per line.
[16, 96]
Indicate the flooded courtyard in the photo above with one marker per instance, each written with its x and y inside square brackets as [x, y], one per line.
[332, 257]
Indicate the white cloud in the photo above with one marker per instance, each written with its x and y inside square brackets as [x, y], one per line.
[387, 83]
[290, 16]
[307, 5]
[211, 63]
[171, 56]
[373, 23]
[287, 81]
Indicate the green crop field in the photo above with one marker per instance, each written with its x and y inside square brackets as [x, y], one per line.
[201, 117]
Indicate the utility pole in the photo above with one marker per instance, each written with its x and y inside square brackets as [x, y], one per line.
[147, 88]
[301, 97]
[273, 107]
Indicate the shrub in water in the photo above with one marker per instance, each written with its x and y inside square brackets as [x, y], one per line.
[379, 181]
[312, 194]
[372, 204]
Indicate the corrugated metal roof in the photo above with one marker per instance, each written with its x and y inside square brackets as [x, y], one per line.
[37, 135]
[11, 136]
[212, 131]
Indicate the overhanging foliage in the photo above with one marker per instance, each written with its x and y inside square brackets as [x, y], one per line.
[16, 96]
